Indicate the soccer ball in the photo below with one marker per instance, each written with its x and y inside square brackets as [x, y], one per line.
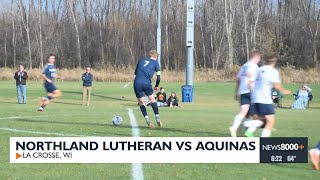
[117, 120]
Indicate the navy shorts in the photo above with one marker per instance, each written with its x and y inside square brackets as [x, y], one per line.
[261, 109]
[318, 146]
[50, 87]
[245, 99]
[141, 89]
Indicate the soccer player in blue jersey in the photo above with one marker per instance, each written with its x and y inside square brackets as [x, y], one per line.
[49, 75]
[144, 72]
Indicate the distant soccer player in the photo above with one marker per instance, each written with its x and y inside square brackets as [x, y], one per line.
[245, 80]
[49, 75]
[314, 155]
[262, 103]
[144, 72]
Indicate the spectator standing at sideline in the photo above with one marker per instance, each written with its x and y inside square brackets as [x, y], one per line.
[87, 78]
[21, 77]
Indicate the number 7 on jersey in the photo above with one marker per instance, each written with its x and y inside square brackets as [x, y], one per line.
[146, 63]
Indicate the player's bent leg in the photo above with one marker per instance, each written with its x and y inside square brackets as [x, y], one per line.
[314, 156]
[270, 121]
[252, 125]
[244, 109]
[143, 110]
[155, 109]
[43, 103]
[56, 93]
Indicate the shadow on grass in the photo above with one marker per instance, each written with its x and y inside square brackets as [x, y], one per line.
[164, 129]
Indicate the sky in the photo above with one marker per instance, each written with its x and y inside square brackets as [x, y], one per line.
[4, 4]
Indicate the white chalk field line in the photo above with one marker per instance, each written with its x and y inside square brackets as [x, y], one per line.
[126, 85]
[39, 132]
[136, 168]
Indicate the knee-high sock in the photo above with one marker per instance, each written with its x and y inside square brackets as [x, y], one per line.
[251, 130]
[155, 108]
[265, 133]
[143, 110]
[253, 123]
[237, 121]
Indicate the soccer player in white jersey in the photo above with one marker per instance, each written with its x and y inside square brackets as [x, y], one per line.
[245, 80]
[315, 154]
[267, 77]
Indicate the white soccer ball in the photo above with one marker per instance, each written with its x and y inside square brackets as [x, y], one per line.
[117, 120]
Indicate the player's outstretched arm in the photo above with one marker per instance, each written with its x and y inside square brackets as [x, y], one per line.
[279, 87]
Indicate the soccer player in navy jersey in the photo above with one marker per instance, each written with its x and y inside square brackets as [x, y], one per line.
[144, 72]
[49, 75]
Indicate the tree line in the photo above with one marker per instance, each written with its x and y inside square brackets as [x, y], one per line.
[116, 33]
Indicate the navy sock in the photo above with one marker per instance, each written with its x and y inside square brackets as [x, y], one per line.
[49, 97]
[155, 108]
[143, 110]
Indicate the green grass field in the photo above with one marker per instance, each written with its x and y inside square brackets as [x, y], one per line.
[210, 115]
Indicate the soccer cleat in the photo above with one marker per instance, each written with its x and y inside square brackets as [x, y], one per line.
[150, 125]
[159, 123]
[248, 134]
[233, 132]
[40, 109]
[158, 120]
[314, 159]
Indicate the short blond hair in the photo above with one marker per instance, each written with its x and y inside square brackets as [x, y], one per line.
[153, 53]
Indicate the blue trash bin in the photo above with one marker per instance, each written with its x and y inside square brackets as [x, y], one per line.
[187, 93]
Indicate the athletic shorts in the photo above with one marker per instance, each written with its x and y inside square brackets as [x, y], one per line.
[50, 87]
[318, 146]
[245, 99]
[261, 109]
[141, 89]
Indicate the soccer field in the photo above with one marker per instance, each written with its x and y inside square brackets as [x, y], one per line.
[209, 116]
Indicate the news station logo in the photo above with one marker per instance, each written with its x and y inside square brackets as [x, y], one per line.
[284, 150]
[162, 150]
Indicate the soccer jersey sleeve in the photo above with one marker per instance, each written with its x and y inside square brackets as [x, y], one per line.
[252, 72]
[157, 68]
[276, 77]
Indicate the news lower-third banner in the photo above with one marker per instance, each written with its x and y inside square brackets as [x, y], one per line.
[157, 150]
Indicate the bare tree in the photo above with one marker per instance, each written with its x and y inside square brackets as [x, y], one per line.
[229, 20]
[116, 33]
[72, 7]
[40, 31]
[25, 19]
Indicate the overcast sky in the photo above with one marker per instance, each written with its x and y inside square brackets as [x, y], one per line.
[4, 4]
